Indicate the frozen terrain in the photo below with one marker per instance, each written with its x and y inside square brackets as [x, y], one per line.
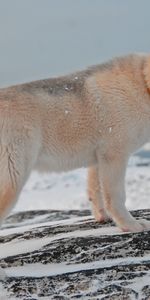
[51, 248]
[68, 190]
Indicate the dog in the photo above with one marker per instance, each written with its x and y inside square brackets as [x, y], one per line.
[94, 118]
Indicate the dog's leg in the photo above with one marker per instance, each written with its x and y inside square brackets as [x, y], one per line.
[113, 178]
[15, 166]
[7, 198]
[11, 181]
[95, 195]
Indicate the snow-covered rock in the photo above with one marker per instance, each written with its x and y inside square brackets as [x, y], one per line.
[66, 255]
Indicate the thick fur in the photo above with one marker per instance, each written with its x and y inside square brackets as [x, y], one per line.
[94, 118]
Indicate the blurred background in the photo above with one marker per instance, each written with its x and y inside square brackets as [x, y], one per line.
[43, 38]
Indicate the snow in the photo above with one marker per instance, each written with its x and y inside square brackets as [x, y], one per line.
[20, 247]
[41, 270]
[68, 190]
[110, 129]
[54, 191]
[2, 274]
[2, 293]
[145, 279]
[66, 112]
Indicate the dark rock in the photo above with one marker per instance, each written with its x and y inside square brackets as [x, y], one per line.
[66, 255]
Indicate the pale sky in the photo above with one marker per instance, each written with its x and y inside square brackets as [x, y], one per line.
[42, 38]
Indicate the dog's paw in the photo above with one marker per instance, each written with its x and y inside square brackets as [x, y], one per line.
[100, 216]
[136, 226]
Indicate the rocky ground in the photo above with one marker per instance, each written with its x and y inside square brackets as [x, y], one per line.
[66, 255]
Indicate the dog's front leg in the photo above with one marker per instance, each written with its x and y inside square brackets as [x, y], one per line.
[113, 178]
[16, 161]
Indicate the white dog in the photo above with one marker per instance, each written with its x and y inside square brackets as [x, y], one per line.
[94, 118]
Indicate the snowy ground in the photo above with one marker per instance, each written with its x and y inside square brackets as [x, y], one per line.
[20, 236]
[68, 190]
[51, 255]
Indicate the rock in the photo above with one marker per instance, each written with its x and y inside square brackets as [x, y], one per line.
[66, 255]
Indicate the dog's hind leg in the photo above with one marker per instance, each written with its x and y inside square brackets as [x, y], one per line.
[95, 194]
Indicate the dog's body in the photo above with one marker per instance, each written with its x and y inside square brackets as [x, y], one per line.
[95, 118]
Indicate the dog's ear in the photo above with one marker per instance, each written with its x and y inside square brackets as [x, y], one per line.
[146, 71]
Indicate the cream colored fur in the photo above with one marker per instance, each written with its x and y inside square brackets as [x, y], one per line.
[96, 118]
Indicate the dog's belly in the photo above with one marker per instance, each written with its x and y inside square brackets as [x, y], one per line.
[60, 163]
